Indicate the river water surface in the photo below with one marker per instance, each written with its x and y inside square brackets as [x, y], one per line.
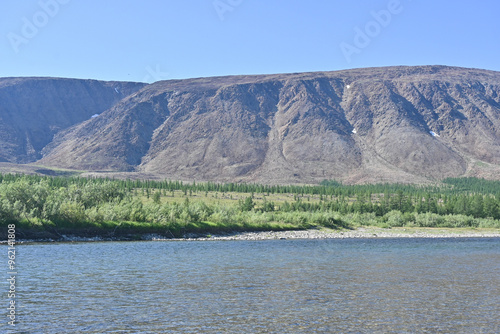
[273, 286]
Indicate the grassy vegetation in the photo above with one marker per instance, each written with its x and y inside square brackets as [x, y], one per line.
[45, 207]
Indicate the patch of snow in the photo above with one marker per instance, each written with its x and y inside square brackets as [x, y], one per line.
[434, 134]
[116, 90]
[95, 115]
[348, 86]
[354, 131]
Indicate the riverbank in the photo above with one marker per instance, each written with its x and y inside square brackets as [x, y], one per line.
[365, 232]
[362, 232]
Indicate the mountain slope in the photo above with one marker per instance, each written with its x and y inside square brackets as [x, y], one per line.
[362, 125]
[33, 110]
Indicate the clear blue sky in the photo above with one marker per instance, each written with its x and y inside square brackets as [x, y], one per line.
[149, 40]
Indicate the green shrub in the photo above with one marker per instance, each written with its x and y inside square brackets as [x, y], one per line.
[429, 220]
[459, 221]
[71, 212]
[394, 219]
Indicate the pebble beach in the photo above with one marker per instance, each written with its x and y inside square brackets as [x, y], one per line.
[344, 234]
[368, 232]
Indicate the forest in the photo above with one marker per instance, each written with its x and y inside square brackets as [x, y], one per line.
[50, 207]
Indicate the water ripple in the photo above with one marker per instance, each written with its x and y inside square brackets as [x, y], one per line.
[292, 286]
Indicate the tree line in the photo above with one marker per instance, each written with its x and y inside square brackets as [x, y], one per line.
[74, 202]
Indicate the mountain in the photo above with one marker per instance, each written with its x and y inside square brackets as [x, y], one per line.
[394, 124]
[33, 110]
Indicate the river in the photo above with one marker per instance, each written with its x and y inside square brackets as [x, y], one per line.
[273, 286]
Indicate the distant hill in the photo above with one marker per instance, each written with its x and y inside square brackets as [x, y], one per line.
[394, 124]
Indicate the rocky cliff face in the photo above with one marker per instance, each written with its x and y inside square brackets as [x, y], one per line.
[33, 110]
[397, 124]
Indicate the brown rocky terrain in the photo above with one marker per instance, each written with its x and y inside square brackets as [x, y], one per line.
[395, 124]
[33, 110]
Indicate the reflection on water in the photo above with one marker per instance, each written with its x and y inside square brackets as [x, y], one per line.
[283, 286]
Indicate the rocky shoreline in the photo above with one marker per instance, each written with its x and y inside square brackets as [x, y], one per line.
[345, 234]
[368, 232]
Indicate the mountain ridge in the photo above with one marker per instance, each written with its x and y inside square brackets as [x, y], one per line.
[412, 124]
[34, 109]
